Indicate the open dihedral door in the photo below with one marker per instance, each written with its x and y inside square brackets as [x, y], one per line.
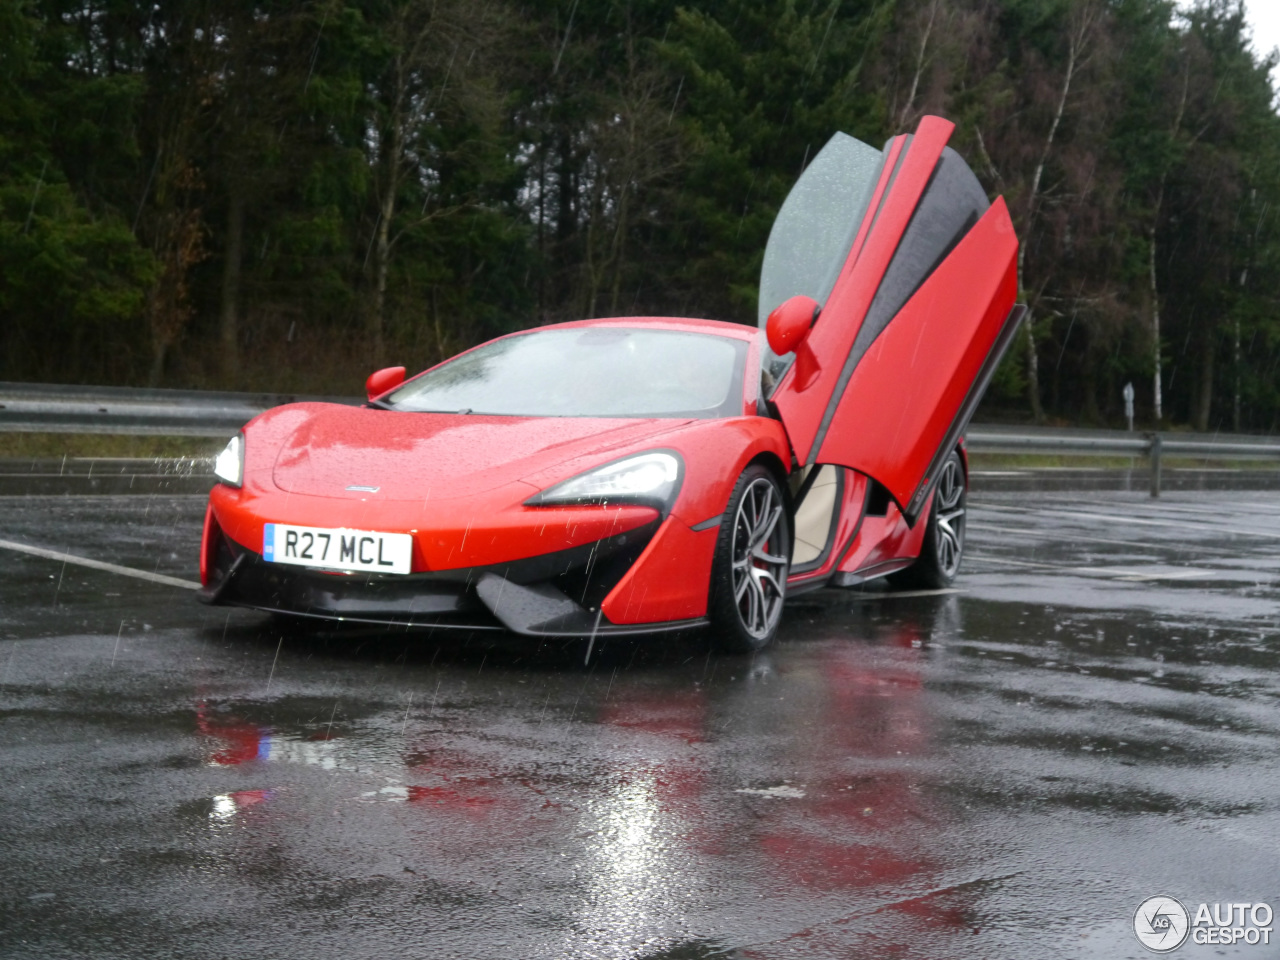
[916, 276]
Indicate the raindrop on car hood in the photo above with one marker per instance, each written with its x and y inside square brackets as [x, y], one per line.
[409, 456]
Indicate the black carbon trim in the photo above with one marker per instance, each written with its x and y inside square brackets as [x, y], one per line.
[806, 586]
[214, 591]
[540, 610]
[882, 569]
[709, 524]
[416, 623]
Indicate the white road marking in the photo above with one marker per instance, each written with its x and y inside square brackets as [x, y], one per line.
[781, 793]
[98, 565]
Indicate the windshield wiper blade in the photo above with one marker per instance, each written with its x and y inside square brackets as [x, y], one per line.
[383, 405]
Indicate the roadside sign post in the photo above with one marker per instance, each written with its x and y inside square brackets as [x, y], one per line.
[1128, 404]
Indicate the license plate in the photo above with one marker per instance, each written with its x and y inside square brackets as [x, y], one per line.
[342, 549]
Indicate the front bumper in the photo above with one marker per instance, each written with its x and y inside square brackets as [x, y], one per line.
[556, 594]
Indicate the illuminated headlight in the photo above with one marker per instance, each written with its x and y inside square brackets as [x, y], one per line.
[229, 467]
[650, 478]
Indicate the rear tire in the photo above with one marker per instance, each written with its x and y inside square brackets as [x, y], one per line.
[752, 559]
[943, 546]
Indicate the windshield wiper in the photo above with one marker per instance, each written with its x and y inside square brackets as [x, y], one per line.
[383, 405]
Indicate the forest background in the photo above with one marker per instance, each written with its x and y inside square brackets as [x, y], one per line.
[282, 195]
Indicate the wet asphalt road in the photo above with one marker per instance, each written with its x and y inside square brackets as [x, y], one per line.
[1002, 772]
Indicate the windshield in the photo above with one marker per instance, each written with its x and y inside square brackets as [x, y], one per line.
[587, 372]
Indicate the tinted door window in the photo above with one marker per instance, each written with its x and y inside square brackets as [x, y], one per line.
[815, 228]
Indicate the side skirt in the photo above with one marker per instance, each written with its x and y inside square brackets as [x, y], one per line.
[858, 577]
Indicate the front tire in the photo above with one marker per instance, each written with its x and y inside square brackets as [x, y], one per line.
[752, 559]
[943, 546]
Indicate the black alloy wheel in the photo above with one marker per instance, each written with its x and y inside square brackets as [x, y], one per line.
[752, 559]
[943, 546]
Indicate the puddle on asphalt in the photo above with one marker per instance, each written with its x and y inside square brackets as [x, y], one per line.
[927, 771]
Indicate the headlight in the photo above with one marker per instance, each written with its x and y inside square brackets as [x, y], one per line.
[229, 467]
[652, 479]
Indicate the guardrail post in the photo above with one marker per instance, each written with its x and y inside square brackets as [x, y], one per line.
[1156, 445]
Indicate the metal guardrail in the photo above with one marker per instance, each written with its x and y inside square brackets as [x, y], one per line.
[52, 408]
[48, 408]
[1154, 447]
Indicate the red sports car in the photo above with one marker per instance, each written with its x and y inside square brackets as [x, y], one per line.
[642, 474]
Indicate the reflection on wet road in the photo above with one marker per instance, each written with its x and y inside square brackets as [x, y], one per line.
[1005, 772]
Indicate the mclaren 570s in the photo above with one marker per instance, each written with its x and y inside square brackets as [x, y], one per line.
[643, 474]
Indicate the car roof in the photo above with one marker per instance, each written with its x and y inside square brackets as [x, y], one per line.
[737, 331]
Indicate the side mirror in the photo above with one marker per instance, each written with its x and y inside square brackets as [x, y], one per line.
[790, 322]
[381, 381]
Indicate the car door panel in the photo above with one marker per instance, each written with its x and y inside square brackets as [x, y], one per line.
[806, 407]
[904, 395]
[913, 327]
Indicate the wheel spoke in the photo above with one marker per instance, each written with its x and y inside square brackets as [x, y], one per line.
[766, 517]
[949, 517]
[758, 562]
[754, 614]
[948, 548]
[757, 508]
[759, 554]
[765, 576]
[950, 486]
[760, 536]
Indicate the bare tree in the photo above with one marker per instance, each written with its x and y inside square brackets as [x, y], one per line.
[630, 147]
[260, 68]
[170, 217]
[436, 54]
[1154, 286]
[929, 17]
[1083, 23]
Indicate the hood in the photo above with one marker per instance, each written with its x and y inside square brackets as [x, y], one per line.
[438, 456]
